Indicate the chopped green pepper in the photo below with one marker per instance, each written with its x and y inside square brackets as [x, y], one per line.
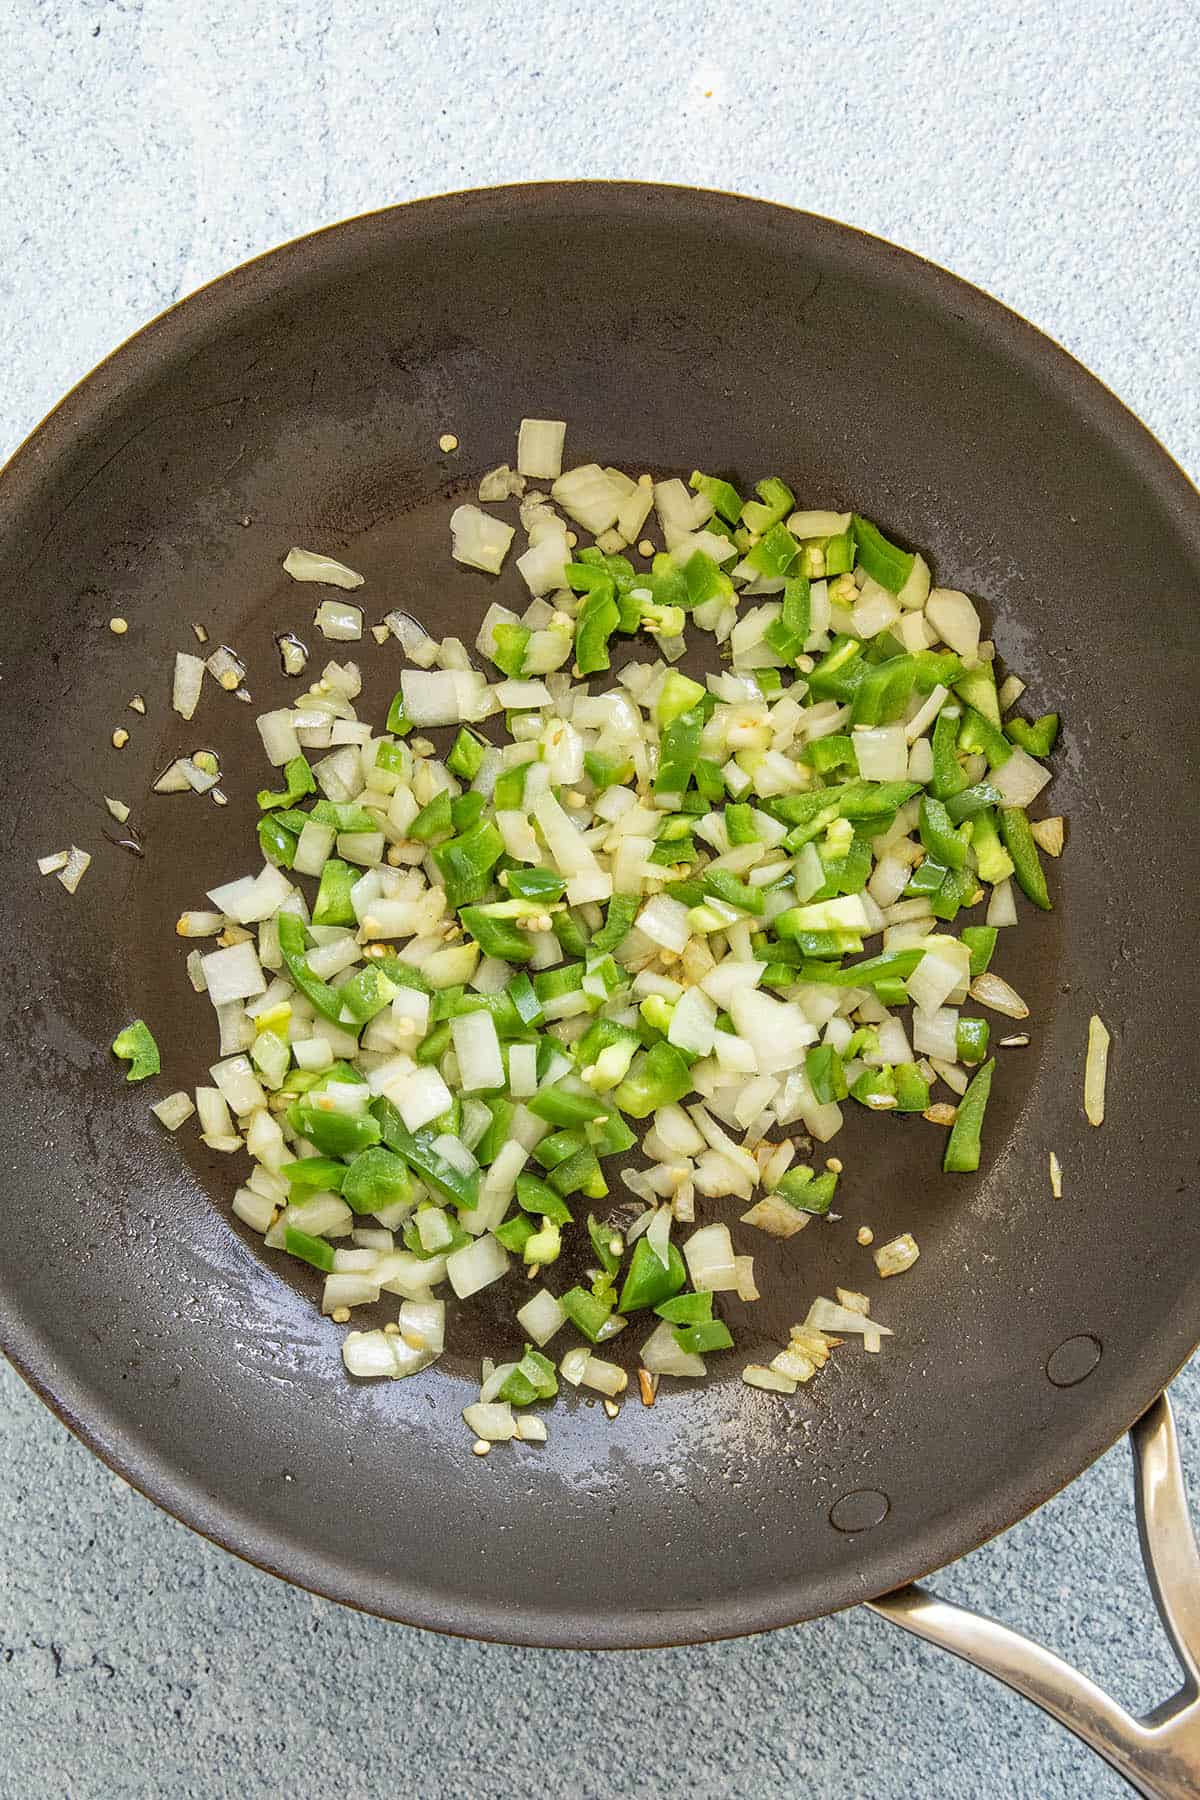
[603, 1238]
[466, 754]
[537, 1196]
[882, 560]
[466, 863]
[309, 1249]
[647, 1282]
[315, 1174]
[299, 780]
[326, 999]
[981, 942]
[657, 1077]
[586, 1313]
[725, 498]
[823, 1066]
[597, 619]
[696, 1339]
[949, 777]
[806, 1191]
[332, 1133]
[333, 905]
[687, 1309]
[136, 1046]
[963, 1145]
[376, 1178]
[1021, 846]
[510, 642]
[1037, 739]
[971, 1040]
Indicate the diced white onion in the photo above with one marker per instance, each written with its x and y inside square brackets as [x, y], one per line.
[476, 1266]
[187, 683]
[479, 540]
[307, 565]
[954, 618]
[993, 991]
[173, 1111]
[710, 1261]
[540, 448]
[1020, 778]
[339, 621]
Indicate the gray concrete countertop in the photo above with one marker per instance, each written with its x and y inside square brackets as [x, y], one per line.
[1045, 152]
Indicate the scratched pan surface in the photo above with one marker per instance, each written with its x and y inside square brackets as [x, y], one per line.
[300, 400]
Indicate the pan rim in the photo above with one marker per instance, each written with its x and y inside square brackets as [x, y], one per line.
[95, 1421]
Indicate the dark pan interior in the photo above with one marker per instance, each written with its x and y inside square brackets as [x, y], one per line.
[300, 400]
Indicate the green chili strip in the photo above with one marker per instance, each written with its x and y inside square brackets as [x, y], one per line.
[1020, 844]
[963, 1146]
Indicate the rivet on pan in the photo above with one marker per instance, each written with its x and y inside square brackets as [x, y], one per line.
[859, 1510]
[1074, 1360]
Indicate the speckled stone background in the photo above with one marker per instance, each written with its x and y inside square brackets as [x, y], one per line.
[1046, 152]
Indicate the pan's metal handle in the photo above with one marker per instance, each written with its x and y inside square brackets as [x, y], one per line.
[1159, 1754]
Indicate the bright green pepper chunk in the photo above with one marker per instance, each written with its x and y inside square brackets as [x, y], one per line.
[309, 1249]
[774, 553]
[276, 842]
[375, 1179]
[332, 1133]
[1037, 739]
[398, 721]
[939, 836]
[724, 496]
[977, 687]
[647, 1283]
[723, 885]
[963, 1147]
[136, 1046]
[883, 561]
[597, 619]
[314, 1174]
[739, 824]
[603, 1238]
[586, 1313]
[678, 751]
[515, 1233]
[466, 755]
[977, 734]
[559, 1106]
[510, 643]
[657, 1077]
[697, 1339]
[823, 1066]
[981, 942]
[775, 501]
[538, 1197]
[827, 754]
[510, 788]
[687, 1309]
[972, 801]
[333, 905]
[299, 780]
[971, 1040]
[497, 937]
[1021, 846]
[806, 1191]
[991, 858]
[466, 863]
[912, 1089]
[677, 695]
[434, 821]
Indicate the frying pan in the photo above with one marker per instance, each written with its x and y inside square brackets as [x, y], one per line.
[300, 400]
